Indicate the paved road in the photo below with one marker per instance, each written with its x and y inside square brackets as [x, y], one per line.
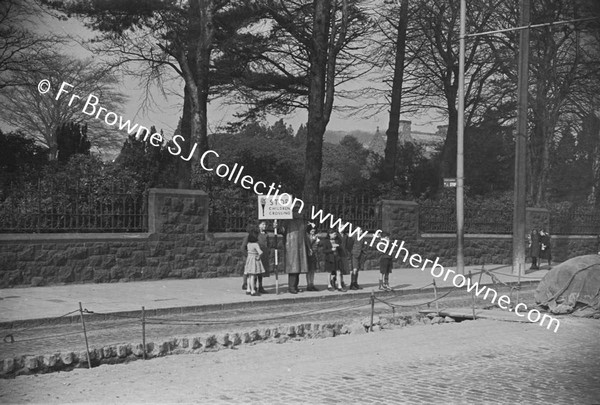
[471, 362]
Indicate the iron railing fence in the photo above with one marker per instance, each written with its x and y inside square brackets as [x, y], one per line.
[440, 219]
[235, 214]
[578, 222]
[51, 207]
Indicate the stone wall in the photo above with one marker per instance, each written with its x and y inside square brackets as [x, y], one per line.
[178, 245]
[400, 218]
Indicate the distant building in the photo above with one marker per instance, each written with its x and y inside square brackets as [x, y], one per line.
[428, 140]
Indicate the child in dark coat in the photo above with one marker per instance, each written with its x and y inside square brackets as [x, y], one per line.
[332, 250]
[385, 268]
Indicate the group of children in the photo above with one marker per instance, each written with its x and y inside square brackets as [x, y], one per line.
[539, 248]
[341, 255]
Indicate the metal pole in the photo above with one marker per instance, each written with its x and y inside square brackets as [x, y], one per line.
[87, 347]
[460, 219]
[144, 332]
[520, 146]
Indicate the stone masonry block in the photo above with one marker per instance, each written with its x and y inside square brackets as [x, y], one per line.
[68, 358]
[31, 362]
[122, 351]
[196, 343]
[236, 339]
[51, 360]
[8, 365]
[210, 341]
[223, 339]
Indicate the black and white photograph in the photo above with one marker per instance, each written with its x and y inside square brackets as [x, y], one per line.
[300, 202]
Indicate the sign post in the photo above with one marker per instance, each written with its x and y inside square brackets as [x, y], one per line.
[270, 207]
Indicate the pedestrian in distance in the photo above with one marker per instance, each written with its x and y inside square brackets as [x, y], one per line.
[545, 248]
[385, 268]
[358, 255]
[347, 243]
[313, 256]
[254, 266]
[534, 249]
[332, 251]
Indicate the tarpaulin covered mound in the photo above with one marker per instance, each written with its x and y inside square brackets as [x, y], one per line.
[575, 282]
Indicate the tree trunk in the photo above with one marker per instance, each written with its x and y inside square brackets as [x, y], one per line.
[195, 63]
[316, 100]
[184, 172]
[591, 126]
[391, 146]
[448, 158]
[539, 154]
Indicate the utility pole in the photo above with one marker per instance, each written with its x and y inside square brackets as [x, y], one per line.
[520, 145]
[460, 203]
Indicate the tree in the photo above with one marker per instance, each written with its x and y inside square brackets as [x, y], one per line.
[591, 144]
[20, 158]
[40, 115]
[391, 145]
[152, 165]
[312, 55]
[432, 48]
[19, 44]
[559, 57]
[489, 155]
[346, 167]
[266, 159]
[564, 77]
[71, 139]
[181, 38]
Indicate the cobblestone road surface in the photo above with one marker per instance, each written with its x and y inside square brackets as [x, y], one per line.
[470, 362]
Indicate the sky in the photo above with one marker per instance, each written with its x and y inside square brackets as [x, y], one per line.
[164, 112]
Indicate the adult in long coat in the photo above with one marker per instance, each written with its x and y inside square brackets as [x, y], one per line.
[545, 248]
[534, 248]
[297, 246]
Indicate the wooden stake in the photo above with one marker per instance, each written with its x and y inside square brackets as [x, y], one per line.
[276, 259]
[372, 310]
[472, 296]
[144, 332]
[87, 347]
[519, 282]
[437, 306]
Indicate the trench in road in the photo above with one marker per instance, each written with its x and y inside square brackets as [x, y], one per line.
[50, 339]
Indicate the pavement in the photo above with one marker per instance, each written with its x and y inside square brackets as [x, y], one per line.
[41, 304]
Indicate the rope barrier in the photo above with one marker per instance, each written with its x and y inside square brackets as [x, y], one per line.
[512, 275]
[11, 337]
[188, 321]
[45, 337]
[414, 305]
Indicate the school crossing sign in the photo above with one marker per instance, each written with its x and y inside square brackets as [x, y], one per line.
[274, 207]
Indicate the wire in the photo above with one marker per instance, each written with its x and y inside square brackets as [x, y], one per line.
[414, 305]
[12, 338]
[184, 321]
